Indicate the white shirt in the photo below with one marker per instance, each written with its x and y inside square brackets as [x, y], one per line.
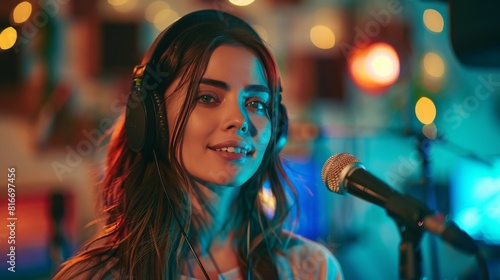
[305, 259]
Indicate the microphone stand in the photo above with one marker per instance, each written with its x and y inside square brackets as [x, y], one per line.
[429, 189]
[409, 216]
[429, 192]
[410, 256]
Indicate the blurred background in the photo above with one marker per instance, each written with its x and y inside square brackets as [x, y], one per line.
[411, 88]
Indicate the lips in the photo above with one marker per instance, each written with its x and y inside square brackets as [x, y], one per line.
[232, 149]
[237, 150]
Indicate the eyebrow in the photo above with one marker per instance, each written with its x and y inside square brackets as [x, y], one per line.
[225, 86]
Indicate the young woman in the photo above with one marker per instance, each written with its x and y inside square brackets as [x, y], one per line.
[187, 161]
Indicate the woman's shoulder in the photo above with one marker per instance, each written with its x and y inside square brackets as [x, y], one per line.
[306, 259]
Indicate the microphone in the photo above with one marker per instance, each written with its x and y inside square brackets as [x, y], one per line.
[344, 174]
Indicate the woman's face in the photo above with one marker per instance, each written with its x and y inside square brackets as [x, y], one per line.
[228, 131]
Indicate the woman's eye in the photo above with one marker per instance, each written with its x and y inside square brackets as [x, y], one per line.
[257, 105]
[206, 99]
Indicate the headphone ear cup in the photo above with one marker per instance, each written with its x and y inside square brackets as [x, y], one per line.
[161, 128]
[146, 123]
[282, 135]
[139, 115]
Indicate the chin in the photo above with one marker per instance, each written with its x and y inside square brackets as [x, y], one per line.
[228, 175]
[231, 183]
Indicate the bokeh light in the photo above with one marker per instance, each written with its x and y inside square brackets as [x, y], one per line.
[241, 3]
[153, 8]
[433, 20]
[261, 31]
[430, 131]
[164, 18]
[123, 6]
[22, 12]
[425, 110]
[433, 64]
[268, 200]
[8, 38]
[322, 37]
[331, 18]
[374, 68]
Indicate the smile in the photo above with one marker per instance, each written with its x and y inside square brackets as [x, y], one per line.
[236, 150]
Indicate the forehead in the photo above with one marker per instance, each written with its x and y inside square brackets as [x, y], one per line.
[235, 64]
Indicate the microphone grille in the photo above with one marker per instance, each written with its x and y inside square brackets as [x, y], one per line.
[332, 171]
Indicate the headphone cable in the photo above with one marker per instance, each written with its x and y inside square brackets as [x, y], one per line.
[178, 222]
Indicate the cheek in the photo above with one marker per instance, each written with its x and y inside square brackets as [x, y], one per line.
[173, 108]
[197, 131]
[263, 126]
[199, 126]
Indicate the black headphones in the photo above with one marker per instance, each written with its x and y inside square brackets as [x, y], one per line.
[146, 124]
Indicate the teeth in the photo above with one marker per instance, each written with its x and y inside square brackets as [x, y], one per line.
[236, 150]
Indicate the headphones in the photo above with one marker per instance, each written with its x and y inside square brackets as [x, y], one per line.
[146, 123]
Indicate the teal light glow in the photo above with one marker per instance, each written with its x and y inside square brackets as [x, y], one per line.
[475, 200]
[469, 219]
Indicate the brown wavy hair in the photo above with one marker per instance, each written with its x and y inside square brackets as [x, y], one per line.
[140, 238]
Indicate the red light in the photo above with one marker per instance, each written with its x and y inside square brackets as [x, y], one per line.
[374, 68]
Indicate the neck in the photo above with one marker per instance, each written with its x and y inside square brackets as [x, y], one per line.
[212, 216]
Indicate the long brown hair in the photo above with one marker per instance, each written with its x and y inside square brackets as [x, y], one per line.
[140, 238]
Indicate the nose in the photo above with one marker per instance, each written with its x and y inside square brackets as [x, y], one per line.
[236, 119]
[244, 126]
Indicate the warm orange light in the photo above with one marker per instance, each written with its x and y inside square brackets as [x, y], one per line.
[433, 64]
[124, 6]
[22, 12]
[322, 37]
[241, 3]
[261, 31]
[8, 38]
[374, 68]
[164, 18]
[425, 110]
[268, 201]
[433, 20]
[154, 8]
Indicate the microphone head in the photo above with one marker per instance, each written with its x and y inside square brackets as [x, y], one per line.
[334, 171]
